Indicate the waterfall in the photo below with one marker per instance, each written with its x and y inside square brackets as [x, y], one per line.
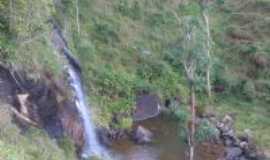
[92, 147]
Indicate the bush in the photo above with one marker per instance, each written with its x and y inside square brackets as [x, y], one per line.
[106, 31]
[181, 115]
[249, 90]
[129, 9]
[125, 123]
[114, 83]
[33, 144]
[191, 8]
[206, 131]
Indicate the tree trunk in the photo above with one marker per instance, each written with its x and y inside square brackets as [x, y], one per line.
[11, 15]
[208, 68]
[193, 119]
[209, 88]
[78, 16]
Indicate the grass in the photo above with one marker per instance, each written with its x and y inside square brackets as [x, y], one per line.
[33, 144]
[129, 46]
[249, 115]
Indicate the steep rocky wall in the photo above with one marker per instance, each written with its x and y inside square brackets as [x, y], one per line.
[46, 104]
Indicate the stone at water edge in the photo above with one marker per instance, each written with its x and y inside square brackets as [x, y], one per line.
[142, 135]
[86, 157]
[267, 154]
[233, 153]
[103, 135]
[147, 106]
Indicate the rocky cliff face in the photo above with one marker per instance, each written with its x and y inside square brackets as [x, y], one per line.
[42, 103]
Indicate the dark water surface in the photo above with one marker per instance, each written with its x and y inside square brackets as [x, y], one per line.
[167, 144]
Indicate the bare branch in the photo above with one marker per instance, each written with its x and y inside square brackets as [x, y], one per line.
[24, 118]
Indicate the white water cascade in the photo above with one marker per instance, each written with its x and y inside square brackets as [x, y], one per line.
[92, 148]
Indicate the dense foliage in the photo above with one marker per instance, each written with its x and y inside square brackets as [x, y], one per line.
[31, 144]
[127, 47]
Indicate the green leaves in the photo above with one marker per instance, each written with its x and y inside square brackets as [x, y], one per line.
[190, 9]
[194, 56]
[206, 131]
[33, 144]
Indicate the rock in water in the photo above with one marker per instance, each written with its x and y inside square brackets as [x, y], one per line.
[147, 106]
[142, 135]
[233, 153]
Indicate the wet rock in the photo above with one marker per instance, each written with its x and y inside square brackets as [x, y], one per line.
[267, 154]
[228, 142]
[226, 126]
[74, 62]
[237, 148]
[233, 153]
[71, 122]
[116, 133]
[104, 136]
[8, 86]
[247, 136]
[142, 135]
[243, 158]
[44, 105]
[147, 106]
[243, 145]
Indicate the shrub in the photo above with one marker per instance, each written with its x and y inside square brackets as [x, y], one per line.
[125, 123]
[106, 31]
[206, 131]
[249, 90]
[191, 8]
[129, 9]
[31, 145]
[181, 115]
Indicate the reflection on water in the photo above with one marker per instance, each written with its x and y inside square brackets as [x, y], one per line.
[166, 145]
[134, 152]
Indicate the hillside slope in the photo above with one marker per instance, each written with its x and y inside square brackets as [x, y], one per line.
[129, 47]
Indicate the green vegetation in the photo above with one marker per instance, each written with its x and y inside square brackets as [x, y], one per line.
[24, 37]
[128, 47]
[32, 145]
[253, 116]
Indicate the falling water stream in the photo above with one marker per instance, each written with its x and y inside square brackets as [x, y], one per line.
[91, 147]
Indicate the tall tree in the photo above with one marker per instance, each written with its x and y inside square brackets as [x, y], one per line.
[205, 14]
[194, 59]
[78, 16]
[208, 68]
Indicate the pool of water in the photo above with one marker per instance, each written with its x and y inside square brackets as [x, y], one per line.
[167, 144]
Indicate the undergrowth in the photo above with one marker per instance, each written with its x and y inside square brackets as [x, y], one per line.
[32, 144]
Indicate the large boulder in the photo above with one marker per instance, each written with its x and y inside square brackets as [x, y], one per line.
[147, 106]
[233, 153]
[104, 136]
[240, 147]
[142, 135]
